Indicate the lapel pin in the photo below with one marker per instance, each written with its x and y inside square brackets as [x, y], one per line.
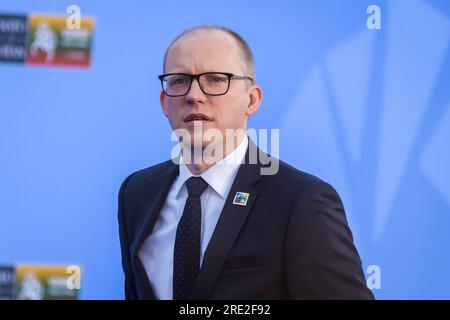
[241, 198]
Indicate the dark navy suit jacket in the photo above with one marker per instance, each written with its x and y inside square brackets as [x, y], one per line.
[291, 240]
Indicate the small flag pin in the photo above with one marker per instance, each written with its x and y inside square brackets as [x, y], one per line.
[241, 198]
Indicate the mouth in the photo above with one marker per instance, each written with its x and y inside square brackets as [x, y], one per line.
[194, 117]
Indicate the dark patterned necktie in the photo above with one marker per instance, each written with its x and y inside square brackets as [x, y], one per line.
[186, 256]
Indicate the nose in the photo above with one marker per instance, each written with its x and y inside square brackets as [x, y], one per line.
[195, 93]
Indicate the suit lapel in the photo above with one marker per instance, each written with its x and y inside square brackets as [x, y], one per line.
[231, 221]
[154, 194]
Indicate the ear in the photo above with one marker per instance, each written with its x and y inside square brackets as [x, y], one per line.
[256, 96]
[162, 100]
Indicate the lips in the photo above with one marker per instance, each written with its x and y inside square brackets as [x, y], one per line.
[197, 117]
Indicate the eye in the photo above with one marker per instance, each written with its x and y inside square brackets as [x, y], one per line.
[177, 81]
[217, 79]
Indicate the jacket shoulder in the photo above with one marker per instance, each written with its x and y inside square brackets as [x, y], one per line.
[298, 179]
[152, 172]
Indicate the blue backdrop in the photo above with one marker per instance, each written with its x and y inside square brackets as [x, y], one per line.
[366, 110]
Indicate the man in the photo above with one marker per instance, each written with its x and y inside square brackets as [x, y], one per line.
[211, 228]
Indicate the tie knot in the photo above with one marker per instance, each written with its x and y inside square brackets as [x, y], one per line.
[196, 186]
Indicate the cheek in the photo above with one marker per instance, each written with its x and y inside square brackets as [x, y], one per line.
[231, 112]
[238, 104]
[172, 109]
[173, 115]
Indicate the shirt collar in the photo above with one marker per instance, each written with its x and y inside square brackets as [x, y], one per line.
[221, 175]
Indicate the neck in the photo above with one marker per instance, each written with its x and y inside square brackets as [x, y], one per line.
[203, 162]
[198, 169]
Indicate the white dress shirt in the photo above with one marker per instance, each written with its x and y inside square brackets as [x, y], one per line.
[156, 253]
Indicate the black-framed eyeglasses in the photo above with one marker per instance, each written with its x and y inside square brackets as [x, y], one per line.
[211, 83]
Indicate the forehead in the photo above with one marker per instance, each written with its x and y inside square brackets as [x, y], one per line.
[203, 51]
